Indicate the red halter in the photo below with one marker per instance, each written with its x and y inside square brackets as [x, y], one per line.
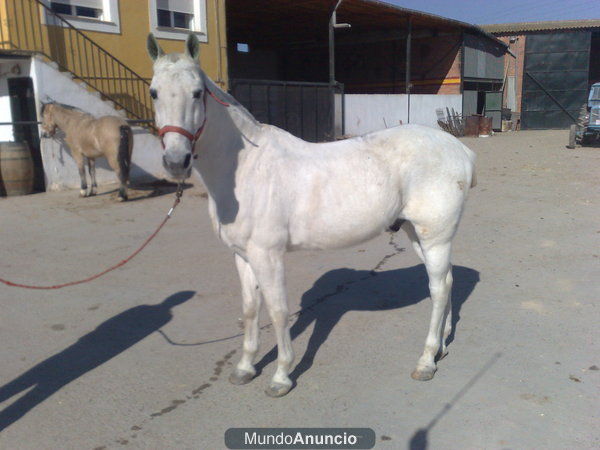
[191, 137]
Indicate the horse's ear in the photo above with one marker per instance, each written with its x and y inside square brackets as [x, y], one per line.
[153, 48]
[192, 46]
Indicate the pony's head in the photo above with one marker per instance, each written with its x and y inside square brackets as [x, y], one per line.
[48, 124]
[178, 91]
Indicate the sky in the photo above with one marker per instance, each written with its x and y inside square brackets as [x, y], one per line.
[482, 12]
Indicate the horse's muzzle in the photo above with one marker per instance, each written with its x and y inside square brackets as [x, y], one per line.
[178, 167]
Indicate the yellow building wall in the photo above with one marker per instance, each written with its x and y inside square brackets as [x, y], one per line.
[19, 30]
[130, 45]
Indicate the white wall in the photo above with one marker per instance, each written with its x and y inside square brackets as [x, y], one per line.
[9, 68]
[59, 167]
[370, 112]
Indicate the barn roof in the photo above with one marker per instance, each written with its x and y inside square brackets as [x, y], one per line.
[271, 20]
[511, 28]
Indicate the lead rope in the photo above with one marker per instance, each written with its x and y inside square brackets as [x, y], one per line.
[178, 195]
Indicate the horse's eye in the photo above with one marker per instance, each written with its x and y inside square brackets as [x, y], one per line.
[153, 93]
[197, 93]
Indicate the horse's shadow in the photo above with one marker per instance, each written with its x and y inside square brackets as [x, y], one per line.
[110, 338]
[342, 290]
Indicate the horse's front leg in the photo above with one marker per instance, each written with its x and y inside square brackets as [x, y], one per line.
[252, 299]
[268, 268]
[80, 160]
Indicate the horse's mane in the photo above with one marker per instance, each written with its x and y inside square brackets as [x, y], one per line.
[228, 98]
[63, 105]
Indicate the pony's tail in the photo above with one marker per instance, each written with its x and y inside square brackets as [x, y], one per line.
[125, 145]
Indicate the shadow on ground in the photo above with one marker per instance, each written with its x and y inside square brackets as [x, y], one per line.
[343, 290]
[420, 438]
[109, 339]
[142, 191]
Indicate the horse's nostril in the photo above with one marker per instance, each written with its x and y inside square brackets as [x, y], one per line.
[186, 162]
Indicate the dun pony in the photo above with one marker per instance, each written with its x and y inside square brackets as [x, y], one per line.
[89, 138]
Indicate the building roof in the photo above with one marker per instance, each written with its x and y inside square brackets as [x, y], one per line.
[508, 28]
[268, 20]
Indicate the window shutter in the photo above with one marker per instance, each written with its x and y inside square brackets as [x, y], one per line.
[96, 4]
[182, 6]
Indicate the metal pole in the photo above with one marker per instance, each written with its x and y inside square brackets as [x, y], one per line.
[332, 23]
[332, 83]
[408, 48]
[332, 70]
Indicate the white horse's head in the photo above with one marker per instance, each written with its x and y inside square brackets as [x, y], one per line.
[178, 92]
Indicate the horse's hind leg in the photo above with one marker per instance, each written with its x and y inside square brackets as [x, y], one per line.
[252, 298]
[92, 170]
[113, 162]
[414, 239]
[436, 253]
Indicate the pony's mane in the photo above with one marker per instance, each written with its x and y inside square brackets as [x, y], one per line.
[62, 105]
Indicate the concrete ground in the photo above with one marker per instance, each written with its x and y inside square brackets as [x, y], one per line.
[140, 358]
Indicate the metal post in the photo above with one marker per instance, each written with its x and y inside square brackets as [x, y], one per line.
[408, 48]
[332, 83]
[332, 70]
[332, 47]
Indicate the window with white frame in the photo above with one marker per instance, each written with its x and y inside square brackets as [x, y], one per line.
[91, 9]
[175, 19]
[92, 15]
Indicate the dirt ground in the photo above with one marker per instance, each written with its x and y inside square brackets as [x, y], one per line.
[140, 358]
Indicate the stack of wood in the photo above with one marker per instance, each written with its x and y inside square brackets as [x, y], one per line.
[451, 121]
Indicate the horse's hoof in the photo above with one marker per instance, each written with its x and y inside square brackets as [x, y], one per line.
[92, 193]
[278, 390]
[239, 377]
[422, 374]
[83, 193]
[122, 199]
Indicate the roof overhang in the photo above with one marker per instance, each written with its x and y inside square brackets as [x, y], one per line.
[269, 22]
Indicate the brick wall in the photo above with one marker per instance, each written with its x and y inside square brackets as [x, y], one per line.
[514, 66]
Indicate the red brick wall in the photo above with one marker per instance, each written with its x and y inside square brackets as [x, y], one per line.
[514, 66]
[436, 65]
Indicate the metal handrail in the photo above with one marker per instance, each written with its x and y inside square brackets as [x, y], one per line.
[73, 52]
[37, 122]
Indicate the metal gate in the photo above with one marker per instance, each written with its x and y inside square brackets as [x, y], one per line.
[555, 79]
[307, 110]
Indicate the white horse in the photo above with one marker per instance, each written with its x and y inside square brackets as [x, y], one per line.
[270, 192]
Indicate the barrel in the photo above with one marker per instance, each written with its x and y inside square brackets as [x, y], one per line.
[472, 125]
[16, 169]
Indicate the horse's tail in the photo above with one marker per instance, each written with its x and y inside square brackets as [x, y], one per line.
[124, 157]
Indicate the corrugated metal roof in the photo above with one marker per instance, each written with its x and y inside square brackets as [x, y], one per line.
[428, 16]
[506, 28]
